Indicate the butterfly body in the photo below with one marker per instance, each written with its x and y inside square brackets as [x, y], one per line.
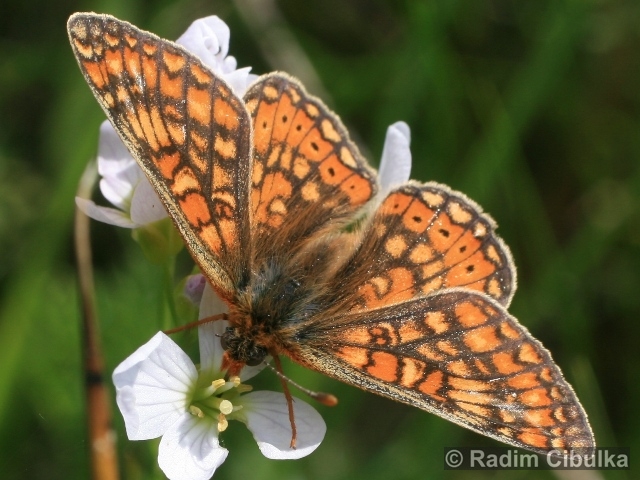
[403, 294]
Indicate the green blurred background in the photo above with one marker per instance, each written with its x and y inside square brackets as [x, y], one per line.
[531, 108]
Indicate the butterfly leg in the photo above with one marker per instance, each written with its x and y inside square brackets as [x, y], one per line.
[287, 394]
[197, 323]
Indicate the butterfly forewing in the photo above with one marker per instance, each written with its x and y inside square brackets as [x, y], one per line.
[188, 131]
[306, 171]
[460, 355]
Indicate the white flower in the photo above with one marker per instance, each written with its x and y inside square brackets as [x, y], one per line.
[123, 183]
[160, 392]
[395, 164]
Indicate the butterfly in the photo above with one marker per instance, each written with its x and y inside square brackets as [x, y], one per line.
[404, 296]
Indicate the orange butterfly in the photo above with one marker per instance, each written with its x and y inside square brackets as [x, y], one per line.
[269, 194]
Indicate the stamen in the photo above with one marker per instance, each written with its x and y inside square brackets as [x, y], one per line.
[196, 411]
[244, 388]
[222, 423]
[216, 384]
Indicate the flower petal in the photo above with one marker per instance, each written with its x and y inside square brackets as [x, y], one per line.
[153, 387]
[209, 334]
[105, 214]
[208, 38]
[190, 450]
[267, 416]
[146, 206]
[395, 165]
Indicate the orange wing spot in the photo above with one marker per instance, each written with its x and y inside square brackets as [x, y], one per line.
[347, 158]
[113, 60]
[196, 157]
[508, 331]
[149, 67]
[545, 374]
[357, 188]
[195, 209]
[170, 87]
[409, 331]
[332, 171]
[85, 50]
[185, 180]
[433, 199]
[354, 356]
[299, 129]
[173, 62]
[149, 131]
[492, 253]
[394, 204]
[158, 127]
[256, 174]
[359, 335]
[528, 354]
[111, 40]
[300, 167]
[458, 213]
[432, 285]
[469, 315]
[507, 416]
[475, 409]
[421, 253]
[417, 217]
[312, 110]
[532, 439]
[555, 393]
[199, 141]
[199, 105]
[274, 155]
[401, 289]
[524, 381]
[95, 74]
[149, 48]
[436, 321]
[283, 119]
[224, 114]
[385, 366]
[229, 231]
[221, 177]
[429, 353]
[274, 185]
[447, 347]
[225, 148]
[469, 385]
[482, 367]
[474, 268]
[558, 413]
[263, 126]
[535, 398]
[329, 132]
[461, 249]
[504, 363]
[471, 397]
[131, 41]
[431, 269]
[482, 339]
[135, 125]
[459, 368]
[310, 192]
[412, 371]
[395, 246]
[443, 233]
[209, 235]
[167, 164]
[200, 75]
[539, 418]
[432, 384]
[270, 92]
[177, 132]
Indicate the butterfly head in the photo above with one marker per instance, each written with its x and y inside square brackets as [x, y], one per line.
[242, 348]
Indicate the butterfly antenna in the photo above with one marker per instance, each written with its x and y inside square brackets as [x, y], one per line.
[197, 323]
[324, 398]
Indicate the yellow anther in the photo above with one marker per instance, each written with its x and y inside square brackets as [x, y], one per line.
[216, 384]
[222, 423]
[226, 407]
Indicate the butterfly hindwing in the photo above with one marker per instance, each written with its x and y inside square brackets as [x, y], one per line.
[187, 130]
[460, 355]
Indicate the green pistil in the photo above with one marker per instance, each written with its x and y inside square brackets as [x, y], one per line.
[217, 400]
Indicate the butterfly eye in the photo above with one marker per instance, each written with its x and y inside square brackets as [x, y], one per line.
[252, 362]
